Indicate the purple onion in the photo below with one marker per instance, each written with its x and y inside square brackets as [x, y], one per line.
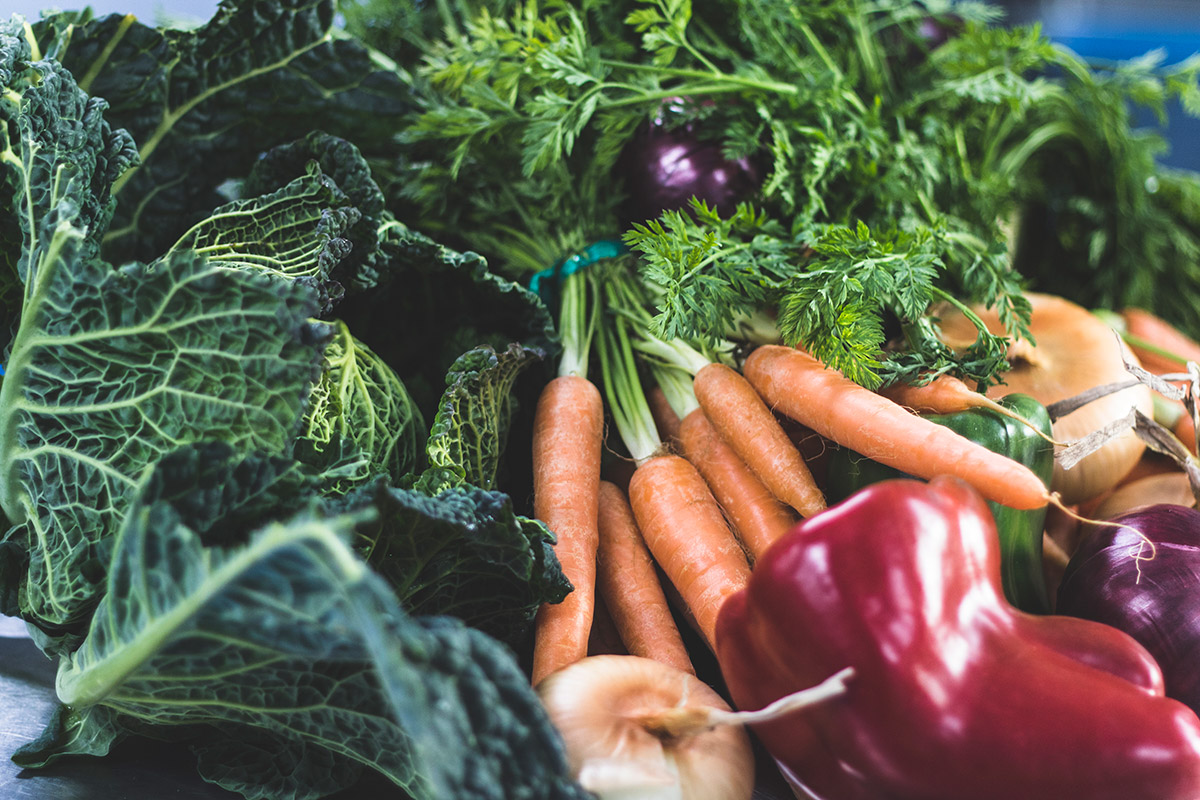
[1151, 593]
[936, 31]
[663, 168]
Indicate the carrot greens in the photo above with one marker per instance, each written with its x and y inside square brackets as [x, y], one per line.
[904, 154]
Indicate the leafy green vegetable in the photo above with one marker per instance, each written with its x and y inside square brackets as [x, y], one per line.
[361, 400]
[452, 302]
[56, 147]
[299, 231]
[289, 662]
[475, 412]
[466, 553]
[110, 370]
[1102, 221]
[176, 539]
[347, 167]
[259, 73]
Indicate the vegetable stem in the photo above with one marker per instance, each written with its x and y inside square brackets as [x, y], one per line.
[738, 81]
[623, 390]
[576, 326]
[822, 53]
[676, 385]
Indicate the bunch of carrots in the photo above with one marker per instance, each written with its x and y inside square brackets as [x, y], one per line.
[717, 476]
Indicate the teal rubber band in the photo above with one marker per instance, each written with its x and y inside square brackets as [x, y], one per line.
[598, 251]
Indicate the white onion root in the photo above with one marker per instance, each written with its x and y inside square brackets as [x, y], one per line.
[635, 729]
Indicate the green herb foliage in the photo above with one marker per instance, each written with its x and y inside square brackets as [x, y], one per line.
[1101, 220]
[896, 156]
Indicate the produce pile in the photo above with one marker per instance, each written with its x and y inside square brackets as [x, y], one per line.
[486, 399]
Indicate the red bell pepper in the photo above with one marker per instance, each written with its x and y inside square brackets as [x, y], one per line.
[956, 694]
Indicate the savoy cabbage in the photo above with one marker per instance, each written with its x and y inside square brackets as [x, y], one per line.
[227, 519]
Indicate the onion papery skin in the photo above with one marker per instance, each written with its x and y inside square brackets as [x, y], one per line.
[596, 703]
[1150, 593]
[1075, 351]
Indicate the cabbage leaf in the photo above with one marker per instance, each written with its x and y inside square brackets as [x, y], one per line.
[300, 231]
[473, 418]
[55, 145]
[360, 400]
[334, 678]
[170, 366]
[202, 104]
[112, 369]
[465, 552]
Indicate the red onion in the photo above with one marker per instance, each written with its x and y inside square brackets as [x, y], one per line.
[663, 168]
[1144, 579]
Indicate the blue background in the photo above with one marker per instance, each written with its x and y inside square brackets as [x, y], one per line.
[149, 11]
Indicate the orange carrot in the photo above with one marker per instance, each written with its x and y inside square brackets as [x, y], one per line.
[1185, 431]
[686, 532]
[627, 582]
[758, 517]
[1160, 346]
[568, 430]
[803, 388]
[665, 418]
[739, 414]
[946, 394]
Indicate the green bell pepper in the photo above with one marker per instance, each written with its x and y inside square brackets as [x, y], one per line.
[1020, 531]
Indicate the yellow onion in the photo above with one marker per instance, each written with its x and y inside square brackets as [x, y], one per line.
[1166, 487]
[637, 729]
[1074, 351]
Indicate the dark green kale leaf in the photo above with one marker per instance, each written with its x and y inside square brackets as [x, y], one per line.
[285, 661]
[465, 553]
[202, 104]
[431, 304]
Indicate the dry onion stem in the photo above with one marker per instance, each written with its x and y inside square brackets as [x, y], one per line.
[1075, 352]
[636, 729]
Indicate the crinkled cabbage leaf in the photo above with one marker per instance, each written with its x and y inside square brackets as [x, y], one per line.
[361, 401]
[197, 576]
[112, 369]
[289, 664]
[466, 442]
[465, 552]
[202, 104]
[56, 145]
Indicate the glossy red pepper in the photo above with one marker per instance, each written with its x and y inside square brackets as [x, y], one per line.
[956, 694]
